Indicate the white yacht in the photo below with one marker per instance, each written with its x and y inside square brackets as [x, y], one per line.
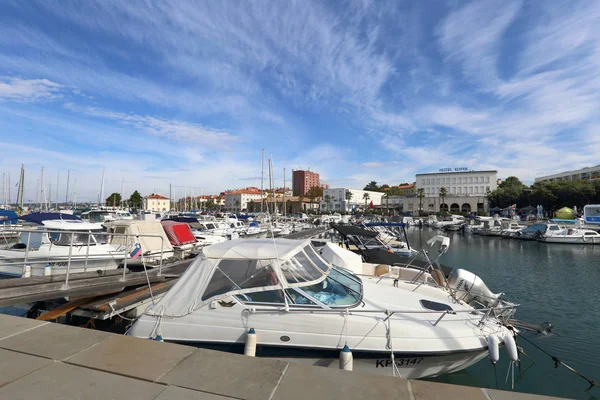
[556, 234]
[48, 249]
[404, 322]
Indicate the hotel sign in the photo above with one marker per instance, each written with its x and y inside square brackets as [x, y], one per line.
[455, 169]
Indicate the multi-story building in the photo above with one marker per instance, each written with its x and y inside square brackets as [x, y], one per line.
[157, 203]
[237, 200]
[584, 173]
[303, 181]
[459, 183]
[345, 199]
[407, 189]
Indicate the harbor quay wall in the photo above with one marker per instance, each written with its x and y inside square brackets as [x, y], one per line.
[45, 360]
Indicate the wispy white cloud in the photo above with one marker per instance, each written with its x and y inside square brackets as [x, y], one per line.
[23, 90]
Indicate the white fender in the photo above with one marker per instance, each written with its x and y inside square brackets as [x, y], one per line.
[511, 347]
[250, 347]
[346, 359]
[494, 348]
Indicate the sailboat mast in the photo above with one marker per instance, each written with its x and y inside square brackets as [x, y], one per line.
[284, 211]
[67, 191]
[102, 189]
[262, 178]
[122, 184]
[42, 194]
[49, 205]
[21, 183]
[57, 184]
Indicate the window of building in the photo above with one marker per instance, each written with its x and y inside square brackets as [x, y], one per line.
[481, 189]
[459, 180]
[476, 189]
[452, 190]
[487, 179]
[459, 190]
[470, 179]
[476, 180]
[471, 189]
[453, 180]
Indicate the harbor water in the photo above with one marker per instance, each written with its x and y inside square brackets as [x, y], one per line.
[557, 283]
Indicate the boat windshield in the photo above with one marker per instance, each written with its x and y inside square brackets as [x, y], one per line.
[340, 288]
[305, 266]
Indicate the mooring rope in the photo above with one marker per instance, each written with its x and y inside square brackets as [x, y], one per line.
[558, 362]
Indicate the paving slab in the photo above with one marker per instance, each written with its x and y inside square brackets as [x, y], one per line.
[508, 395]
[307, 382]
[54, 341]
[423, 390]
[177, 393]
[10, 325]
[69, 382]
[139, 358]
[227, 374]
[15, 365]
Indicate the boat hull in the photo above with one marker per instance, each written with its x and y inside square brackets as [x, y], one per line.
[570, 240]
[409, 365]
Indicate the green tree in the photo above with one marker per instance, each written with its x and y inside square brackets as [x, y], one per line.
[135, 200]
[509, 192]
[366, 198]
[372, 186]
[443, 194]
[421, 196]
[209, 204]
[113, 200]
[315, 192]
[237, 204]
[327, 199]
[250, 205]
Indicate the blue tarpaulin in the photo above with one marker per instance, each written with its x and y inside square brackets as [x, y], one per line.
[8, 217]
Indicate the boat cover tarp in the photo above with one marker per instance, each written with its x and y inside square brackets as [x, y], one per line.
[191, 221]
[353, 230]
[39, 217]
[150, 244]
[390, 224]
[565, 213]
[8, 217]
[179, 233]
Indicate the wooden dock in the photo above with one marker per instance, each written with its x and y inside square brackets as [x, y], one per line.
[44, 360]
[89, 284]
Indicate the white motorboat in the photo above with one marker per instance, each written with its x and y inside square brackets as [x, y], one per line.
[59, 245]
[556, 234]
[454, 220]
[400, 321]
[512, 230]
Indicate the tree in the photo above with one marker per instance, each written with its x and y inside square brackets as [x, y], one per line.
[366, 198]
[250, 205]
[327, 199]
[372, 186]
[348, 195]
[210, 204]
[509, 192]
[421, 196]
[237, 204]
[443, 194]
[387, 200]
[315, 192]
[135, 200]
[113, 200]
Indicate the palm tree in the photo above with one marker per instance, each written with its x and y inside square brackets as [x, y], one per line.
[387, 196]
[312, 198]
[301, 202]
[349, 196]
[366, 197]
[327, 199]
[421, 196]
[443, 194]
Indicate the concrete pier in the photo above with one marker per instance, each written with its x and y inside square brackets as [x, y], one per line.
[44, 360]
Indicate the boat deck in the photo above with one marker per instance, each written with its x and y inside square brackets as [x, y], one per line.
[51, 361]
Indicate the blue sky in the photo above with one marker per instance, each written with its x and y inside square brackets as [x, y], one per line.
[189, 92]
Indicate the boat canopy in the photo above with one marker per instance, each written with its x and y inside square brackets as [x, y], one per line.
[72, 225]
[39, 217]
[8, 217]
[242, 266]
[342, 258]
[353, 230]
[179, 233]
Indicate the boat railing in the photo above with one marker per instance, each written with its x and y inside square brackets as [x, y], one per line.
[122, 253]
[485, 313]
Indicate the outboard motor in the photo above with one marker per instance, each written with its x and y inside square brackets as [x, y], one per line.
[470, 287]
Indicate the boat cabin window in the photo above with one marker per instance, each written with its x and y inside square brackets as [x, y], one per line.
[78, 239]
[268, 296]
[553, 228]
[435, 306]
[35, 240]
[240, 274]
[591, 233]
[300, 269]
